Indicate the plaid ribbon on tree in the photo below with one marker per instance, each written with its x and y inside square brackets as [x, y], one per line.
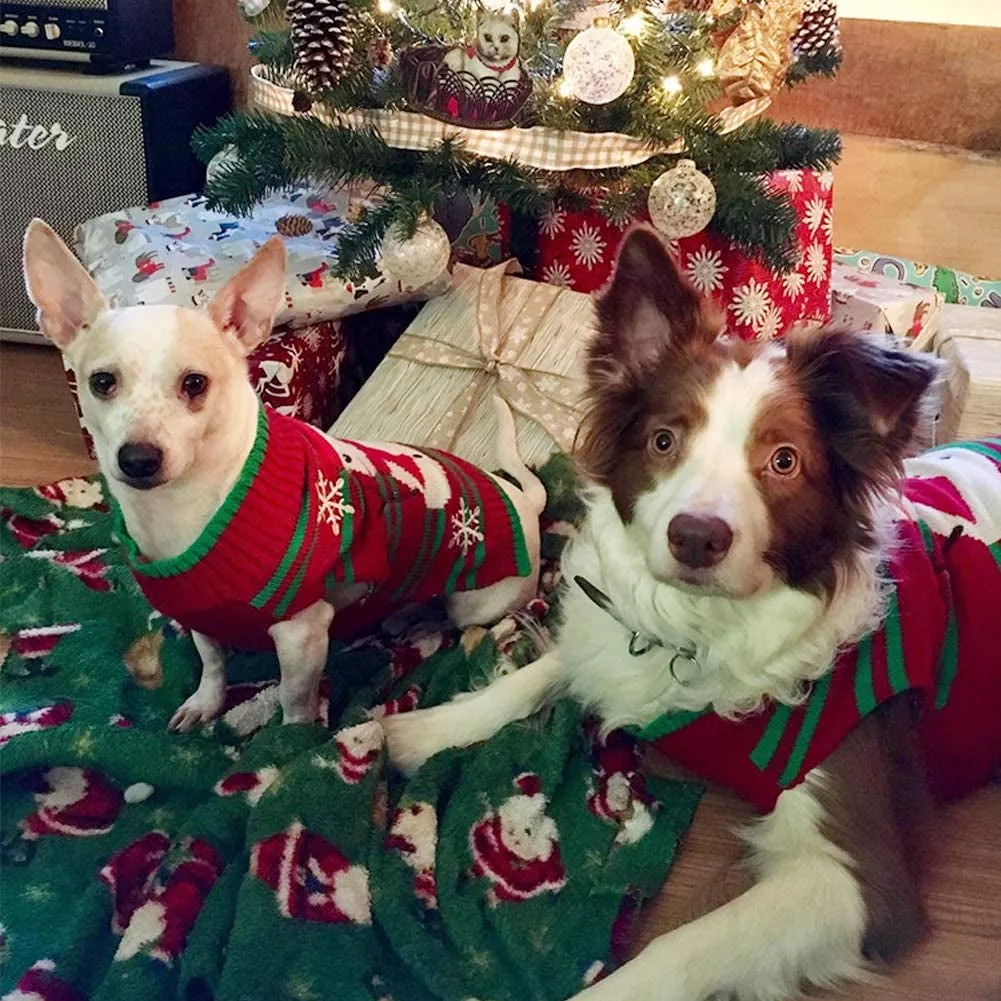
[538, 147]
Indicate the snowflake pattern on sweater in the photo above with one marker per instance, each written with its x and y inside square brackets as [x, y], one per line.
[309, 515]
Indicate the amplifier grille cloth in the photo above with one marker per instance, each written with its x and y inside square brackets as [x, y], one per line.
[101, 170]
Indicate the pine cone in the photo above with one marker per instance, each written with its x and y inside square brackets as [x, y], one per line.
[323, 41]
[819, 29]
[293, 225]
[301, 102]
[380, 52]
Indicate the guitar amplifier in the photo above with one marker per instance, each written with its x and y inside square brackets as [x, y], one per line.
[107, 33]
[74, 146]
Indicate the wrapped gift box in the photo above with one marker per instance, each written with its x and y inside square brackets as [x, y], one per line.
[861, 300]
[958, 287]
[492, 334]
[969, 340]
[577, 249]
[180, 252]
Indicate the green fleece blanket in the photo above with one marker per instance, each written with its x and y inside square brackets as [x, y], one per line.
[256, 861]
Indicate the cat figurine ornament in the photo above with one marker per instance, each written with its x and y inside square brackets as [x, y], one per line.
[494, 55]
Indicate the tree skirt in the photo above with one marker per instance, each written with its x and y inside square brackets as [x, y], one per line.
[254, 860]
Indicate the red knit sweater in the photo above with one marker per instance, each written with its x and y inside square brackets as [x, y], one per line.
[939, 640]
[308, 513]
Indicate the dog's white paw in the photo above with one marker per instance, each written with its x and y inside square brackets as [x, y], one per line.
[412, 738]
[199, 709]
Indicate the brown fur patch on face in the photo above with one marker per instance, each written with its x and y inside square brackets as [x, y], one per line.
[848, 405]
[810, 533]
[878, 810]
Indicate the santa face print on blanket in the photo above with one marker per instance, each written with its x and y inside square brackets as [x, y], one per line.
[159, 895]
[75, 802]
[359, 748]
[517, 846]
[414, 835]
[619, 791]
[311, 878]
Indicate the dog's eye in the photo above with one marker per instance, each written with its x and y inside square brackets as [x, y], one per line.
[194, 384]
[102, 383]
[504, 38]
[663, 441]
[489, 38]
[784, 461]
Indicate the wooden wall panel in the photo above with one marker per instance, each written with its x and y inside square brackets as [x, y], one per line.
[937, 83]
[929, 82]
[212, 31]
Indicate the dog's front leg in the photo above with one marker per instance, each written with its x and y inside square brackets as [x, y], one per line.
[302, 643]
[802, 922]
[207, 701]
[414, 737]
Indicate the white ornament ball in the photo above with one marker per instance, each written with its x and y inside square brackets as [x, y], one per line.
[421, 259]
[228, 154]
[681, 201]
[598, 65]
[251, 8]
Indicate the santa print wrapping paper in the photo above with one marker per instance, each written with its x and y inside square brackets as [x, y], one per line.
[298, 372]
[578, 249]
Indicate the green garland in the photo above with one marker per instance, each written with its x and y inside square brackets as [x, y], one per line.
[276, 152]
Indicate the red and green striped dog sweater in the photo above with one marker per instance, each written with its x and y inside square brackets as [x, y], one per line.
[308, 513]
[939, 640]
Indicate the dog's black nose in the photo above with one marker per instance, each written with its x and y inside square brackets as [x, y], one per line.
[698, 540]
[140, 460]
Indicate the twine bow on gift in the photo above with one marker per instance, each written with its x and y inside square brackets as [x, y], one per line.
[545, 397]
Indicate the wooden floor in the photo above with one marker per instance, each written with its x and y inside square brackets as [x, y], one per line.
[890, 197]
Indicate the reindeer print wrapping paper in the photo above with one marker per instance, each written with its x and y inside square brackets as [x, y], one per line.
[259, 862]
[179, 252]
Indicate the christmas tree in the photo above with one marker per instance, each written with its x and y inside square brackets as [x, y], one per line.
[539, 104]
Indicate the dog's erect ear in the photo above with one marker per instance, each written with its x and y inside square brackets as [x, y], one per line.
[246, 305]
[646, 308]
[867, 397]
[66, 297]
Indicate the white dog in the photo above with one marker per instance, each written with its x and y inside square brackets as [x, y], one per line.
[253, 529]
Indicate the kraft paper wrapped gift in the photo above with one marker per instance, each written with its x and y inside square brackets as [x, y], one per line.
[492, 334]
[864, 301]
[969, 341]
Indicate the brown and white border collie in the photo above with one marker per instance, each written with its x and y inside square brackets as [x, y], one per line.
[754, 568]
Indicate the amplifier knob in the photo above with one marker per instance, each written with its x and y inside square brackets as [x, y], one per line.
[52, 32]
[9, 27]
[30, 29]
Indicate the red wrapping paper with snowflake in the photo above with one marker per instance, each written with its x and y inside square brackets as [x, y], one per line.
[577, 249]
[298, 372]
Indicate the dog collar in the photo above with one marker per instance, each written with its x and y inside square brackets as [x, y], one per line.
[639, 642]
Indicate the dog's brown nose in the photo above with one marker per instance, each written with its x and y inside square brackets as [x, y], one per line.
[698, 540]
[140, 460]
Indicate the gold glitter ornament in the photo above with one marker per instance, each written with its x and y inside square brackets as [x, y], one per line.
[681, 201]
[421, 259]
